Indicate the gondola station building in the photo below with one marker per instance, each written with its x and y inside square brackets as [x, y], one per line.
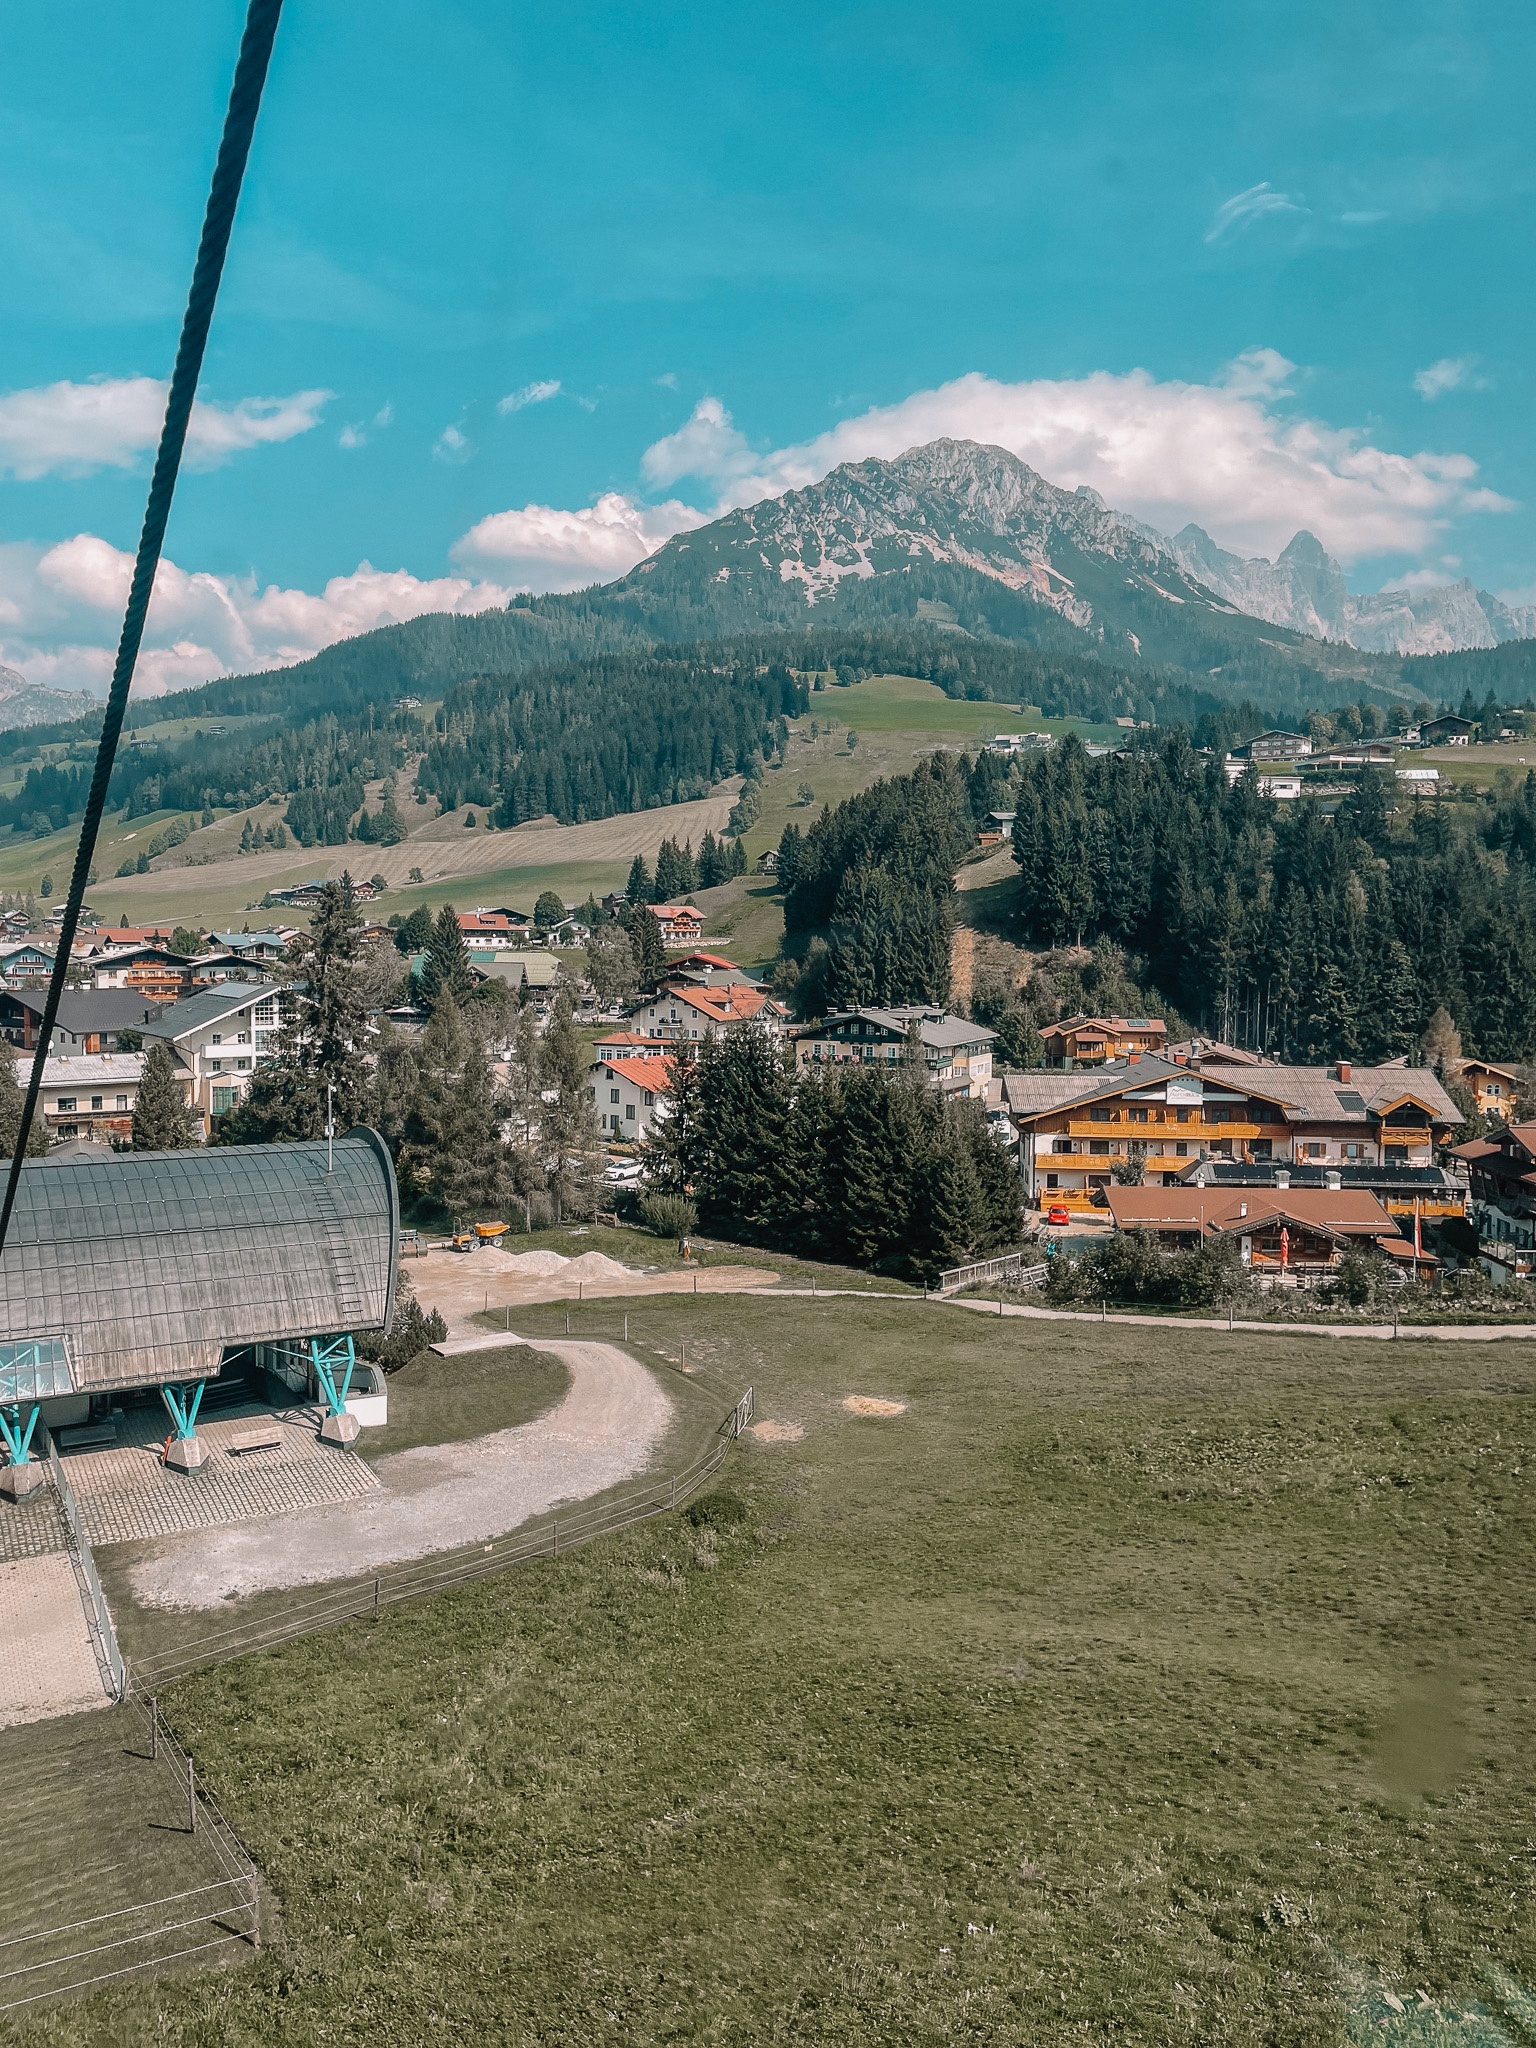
[162, 1272]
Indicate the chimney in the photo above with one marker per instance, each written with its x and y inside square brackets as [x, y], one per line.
[1333, 1179]
[1343, 1070]
[1132, 1058]
[1283, 1178]
[1242, 1208]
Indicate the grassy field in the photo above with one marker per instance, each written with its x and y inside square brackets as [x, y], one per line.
[1121, 1689]
[446, 1400]
[641, 1250]
[93, 1828]
[897, 720]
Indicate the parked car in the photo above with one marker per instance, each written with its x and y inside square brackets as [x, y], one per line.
[1058, 1217]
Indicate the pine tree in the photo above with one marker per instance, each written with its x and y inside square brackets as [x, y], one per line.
[162, 1120]
[649, 948]
[568, 1135]
[322, 1040]
[638, 887]
[12, 1102]
[738, 858]
[446, 969]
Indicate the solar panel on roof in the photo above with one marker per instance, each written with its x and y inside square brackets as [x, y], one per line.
[1351, 1101]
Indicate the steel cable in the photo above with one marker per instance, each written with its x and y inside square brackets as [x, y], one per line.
[223, 197]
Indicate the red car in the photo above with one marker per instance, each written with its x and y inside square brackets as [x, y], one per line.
[1057, 1216]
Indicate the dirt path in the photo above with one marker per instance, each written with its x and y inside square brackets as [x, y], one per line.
[607, 1429]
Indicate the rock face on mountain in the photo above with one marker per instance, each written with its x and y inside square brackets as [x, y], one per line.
[1305, 590]
[24, 703]
[951, 506]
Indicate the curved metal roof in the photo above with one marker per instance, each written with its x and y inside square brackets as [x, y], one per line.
[150, 1264]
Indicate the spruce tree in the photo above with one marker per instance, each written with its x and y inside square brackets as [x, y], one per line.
[322, 1041]
[738, 858]
[649, 948]
[568, 1133]
[638, 888]
[162, 1120]
[446, 969]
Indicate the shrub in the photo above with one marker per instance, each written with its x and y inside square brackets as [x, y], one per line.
[411, 1330]
[716, 1511]
[669, 1215]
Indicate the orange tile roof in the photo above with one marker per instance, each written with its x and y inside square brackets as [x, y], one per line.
[642, 1073]
[1346, 1212]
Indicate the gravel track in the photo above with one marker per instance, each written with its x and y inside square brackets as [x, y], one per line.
[607, 1429]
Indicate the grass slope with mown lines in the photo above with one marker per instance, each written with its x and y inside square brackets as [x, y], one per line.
[1124, 1689]
[437, 1400]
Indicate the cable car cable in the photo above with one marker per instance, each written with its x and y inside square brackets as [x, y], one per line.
[223, 197]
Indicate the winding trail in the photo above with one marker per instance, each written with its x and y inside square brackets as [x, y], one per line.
[606, 1429]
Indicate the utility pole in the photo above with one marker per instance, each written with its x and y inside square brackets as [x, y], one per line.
[330, 1127]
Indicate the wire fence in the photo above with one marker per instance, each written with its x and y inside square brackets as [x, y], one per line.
[98, 1614]
[361, 1599]
[46, 1963]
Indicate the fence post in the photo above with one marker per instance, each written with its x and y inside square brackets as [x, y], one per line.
[154, 1728]
[555, 1527]
[567, 1322]
[626, 1329]
[674, 1489]
[375, 1599]
[191, 1798]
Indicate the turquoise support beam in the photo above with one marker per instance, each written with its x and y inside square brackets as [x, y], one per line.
[182, 1409]
[18, 1440]
[326, 1355]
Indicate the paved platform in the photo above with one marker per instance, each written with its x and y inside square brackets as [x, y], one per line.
[124, 1492]
[31, 1528]
[47, 1658]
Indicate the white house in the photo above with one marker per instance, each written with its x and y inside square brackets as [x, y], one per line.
[680, 1011]
[627, 1094]
[90, 1095]
[218, 1036]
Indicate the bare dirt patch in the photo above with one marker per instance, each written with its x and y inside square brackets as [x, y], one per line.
[866, 1404]
[778, 1432]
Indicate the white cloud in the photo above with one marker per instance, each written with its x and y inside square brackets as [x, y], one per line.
[60, 608]
[1238, 213]
[452, 445]
[1451, 373]
[1223, 454]
[355, 434]
[542, 547]
[72, 429]
[706, 445]
[530, 394]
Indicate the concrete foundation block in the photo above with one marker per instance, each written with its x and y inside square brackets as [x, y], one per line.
[20, 1482]
[186, 1454]
[340, 1429]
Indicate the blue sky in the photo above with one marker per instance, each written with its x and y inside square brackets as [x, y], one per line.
[492, 260]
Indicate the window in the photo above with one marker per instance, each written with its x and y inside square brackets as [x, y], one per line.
[96, 1102]
[649, 1098]
[1098, 1144]
[224, 1098]
[1351, 1151]
[1101, 1113]
[1138, 1116]
[629, 1109]
[1061, 1144]
[1315, 1151]
[1261, 1148]
[1183, 1116]
[217, 1039]
[244, 1038]
[122, 1102]
[215, 1066]
[68, 1131]
[613, 1094]
[1181, 1151]
[65, 1104]
[243, 1065]
[1053, 1180]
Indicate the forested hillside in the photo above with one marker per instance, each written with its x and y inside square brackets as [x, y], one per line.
[1278, 925]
